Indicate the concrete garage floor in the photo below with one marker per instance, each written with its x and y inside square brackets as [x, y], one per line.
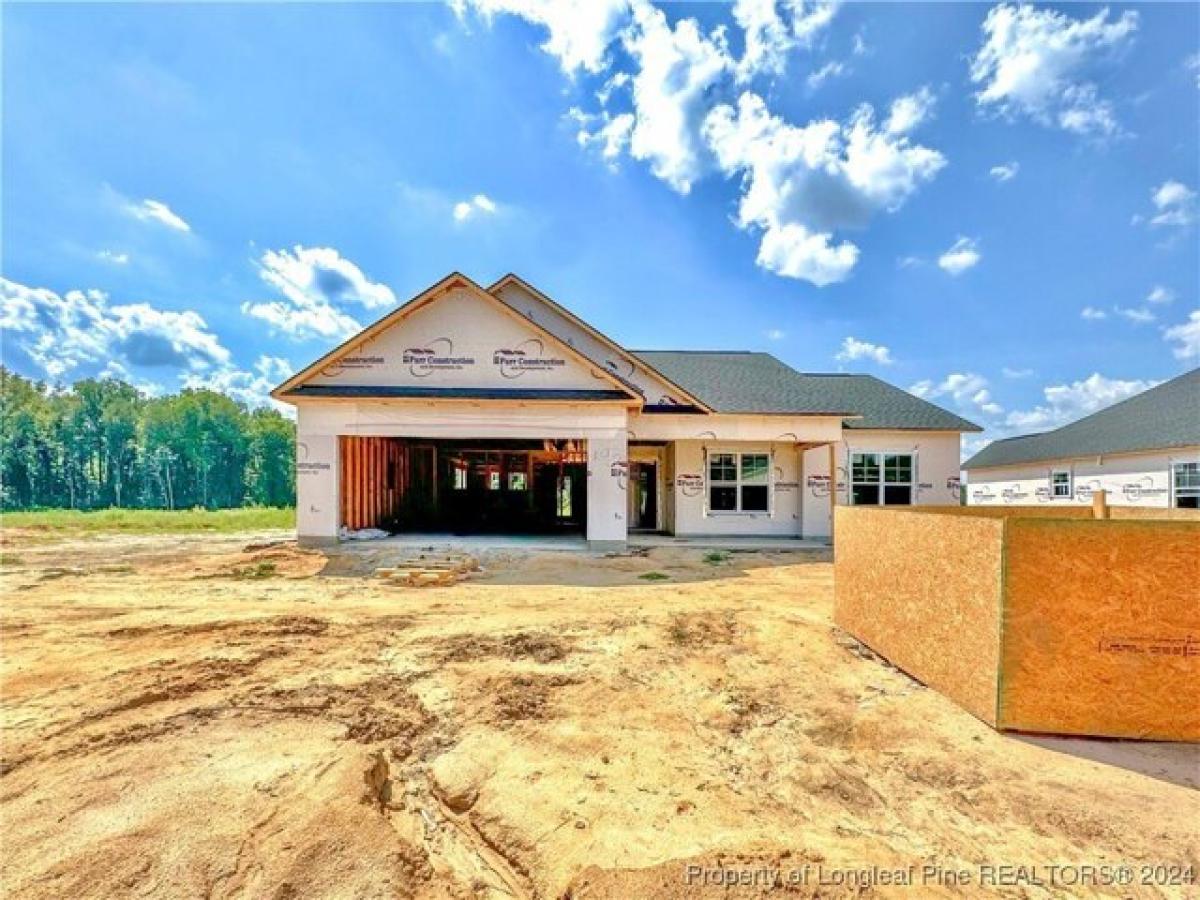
[550, 542]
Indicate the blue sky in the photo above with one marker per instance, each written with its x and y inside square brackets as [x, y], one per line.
[217, 194]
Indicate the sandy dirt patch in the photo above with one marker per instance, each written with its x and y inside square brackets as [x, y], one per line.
[230, 716]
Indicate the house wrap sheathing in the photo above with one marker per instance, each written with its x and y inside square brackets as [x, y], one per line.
[497, 410]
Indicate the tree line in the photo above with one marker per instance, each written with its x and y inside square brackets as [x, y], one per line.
[103, 443]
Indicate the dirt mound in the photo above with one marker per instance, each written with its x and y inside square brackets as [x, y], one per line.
[378, 710]
[524, 698]
[588, 735]
[726, 876]
[539, 646]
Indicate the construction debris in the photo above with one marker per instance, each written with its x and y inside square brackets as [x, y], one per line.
[430, 570]
[362, 534]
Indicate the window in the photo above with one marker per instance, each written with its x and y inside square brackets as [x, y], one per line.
[460, 475]
[1186, 478]
[739, 482]
[881, 479]
[517, 481]
[1060, 484]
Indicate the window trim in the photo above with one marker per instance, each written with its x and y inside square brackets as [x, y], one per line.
[1070, 494]
[737, 484]
[882, 483]
[1176, 465]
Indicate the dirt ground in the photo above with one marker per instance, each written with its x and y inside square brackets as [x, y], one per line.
[232, 716]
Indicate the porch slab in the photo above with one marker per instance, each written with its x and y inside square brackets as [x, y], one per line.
[774, 544]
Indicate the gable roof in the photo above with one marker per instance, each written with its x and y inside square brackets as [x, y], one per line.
[601, 337]
[423, 299]
[1163, 417]
[747, 382]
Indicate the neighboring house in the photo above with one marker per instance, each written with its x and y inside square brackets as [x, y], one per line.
[1144, 451]
[471, 409]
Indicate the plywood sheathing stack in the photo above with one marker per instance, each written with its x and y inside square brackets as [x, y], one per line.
[1101, 630]
[368, 498]
[1077, 625]
[924, 592]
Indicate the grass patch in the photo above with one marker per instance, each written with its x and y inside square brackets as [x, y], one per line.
[152, 521]
[10, 559]
[265, 569]
[716, 557]
[654, 576]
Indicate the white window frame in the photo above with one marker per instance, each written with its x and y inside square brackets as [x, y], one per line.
[738, 483]
[1187, 491]
[1054, 494]
[882, 483]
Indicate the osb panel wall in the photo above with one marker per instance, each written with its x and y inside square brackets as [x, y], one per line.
[924, 591]
[1102, 628]
[1151, 512]
[1009, 512]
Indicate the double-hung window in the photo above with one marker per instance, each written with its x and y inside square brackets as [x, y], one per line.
[1186, 480]
[739, 482]
[1060, 484]
[881, 479]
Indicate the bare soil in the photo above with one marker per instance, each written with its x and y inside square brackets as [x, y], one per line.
[228, 716]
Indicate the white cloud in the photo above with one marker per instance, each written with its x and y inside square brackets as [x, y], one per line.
[800, 184]
[1016, 374]
[968, 390]
[579, 30]
[771, 32]
[853, 349]
[910, 112]
[1067, 402]
[819, 76]
[480, 204]
[1175, 204]
[1186, 337]
[314, 282]
[775, 334]
[962, 255]
[1136, 315]
[794, 252]
[60, 333]
[1005, 171]
[676, 67]
[1092, 314]
[607, 132]
[157, 211]
[909, 262]
[110, 256]
[1192, 64]
[1160, 294]
[250, 387]
[1034, 61]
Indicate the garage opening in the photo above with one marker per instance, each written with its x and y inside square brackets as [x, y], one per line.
[480, 486]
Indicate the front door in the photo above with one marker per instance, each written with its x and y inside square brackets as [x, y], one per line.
[643, 496]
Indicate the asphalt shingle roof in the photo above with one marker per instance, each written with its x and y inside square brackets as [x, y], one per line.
[743, 382]
[1162, 417]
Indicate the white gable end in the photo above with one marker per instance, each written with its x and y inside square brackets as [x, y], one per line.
[461, 340]
[654, 389]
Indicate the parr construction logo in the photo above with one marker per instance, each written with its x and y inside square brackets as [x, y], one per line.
[305, 466]
[436, 356]
[527, 356]
[358, 360]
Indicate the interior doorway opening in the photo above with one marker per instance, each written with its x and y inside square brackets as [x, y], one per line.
[463, 487]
